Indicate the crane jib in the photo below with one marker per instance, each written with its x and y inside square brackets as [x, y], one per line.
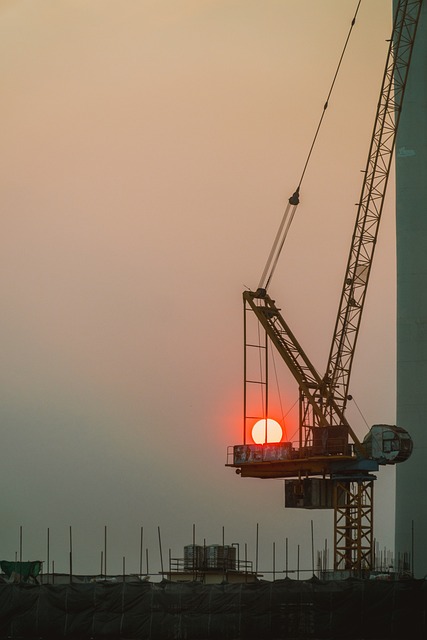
[371, 201]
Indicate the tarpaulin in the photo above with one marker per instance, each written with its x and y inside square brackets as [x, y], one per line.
[20, 571]
[284, 609]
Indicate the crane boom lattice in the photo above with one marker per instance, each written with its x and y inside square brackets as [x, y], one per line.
[371, 202]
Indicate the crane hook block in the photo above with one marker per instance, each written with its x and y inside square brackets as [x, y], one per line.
[294, 199]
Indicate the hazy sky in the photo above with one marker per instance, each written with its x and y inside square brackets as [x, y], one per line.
[148, 148]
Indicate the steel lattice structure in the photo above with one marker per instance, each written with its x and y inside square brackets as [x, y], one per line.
[353, 525]
[371, 202]
[324, 432]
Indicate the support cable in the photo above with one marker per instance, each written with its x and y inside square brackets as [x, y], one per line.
[359, 410]
[263, 400]
[293, 201]
[325, 106]
[277, 385]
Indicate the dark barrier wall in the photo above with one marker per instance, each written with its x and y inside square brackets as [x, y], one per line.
[191, 611]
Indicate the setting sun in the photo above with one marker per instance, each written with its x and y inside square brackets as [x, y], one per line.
[266, 430]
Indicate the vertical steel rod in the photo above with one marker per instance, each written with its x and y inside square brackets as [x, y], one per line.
[48, 553]
[274, 561]
[256, 548]
[140, 551]
[105, 551]
[286, 557]
[244, 371]
[160, 550]
[312, 547]
[71, 556]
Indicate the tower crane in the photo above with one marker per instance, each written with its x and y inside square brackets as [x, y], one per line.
[329, 467]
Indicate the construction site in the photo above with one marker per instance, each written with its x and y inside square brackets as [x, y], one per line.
[218, 591]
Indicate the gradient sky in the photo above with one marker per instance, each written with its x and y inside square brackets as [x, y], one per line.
[148, 148]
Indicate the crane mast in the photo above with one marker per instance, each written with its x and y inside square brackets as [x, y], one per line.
[323, 447]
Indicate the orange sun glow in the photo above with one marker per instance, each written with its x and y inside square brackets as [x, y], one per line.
[267, 430]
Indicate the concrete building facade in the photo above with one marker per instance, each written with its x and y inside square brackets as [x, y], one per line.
[411, 233]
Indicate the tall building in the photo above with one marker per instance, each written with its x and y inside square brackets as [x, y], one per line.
[411, 231]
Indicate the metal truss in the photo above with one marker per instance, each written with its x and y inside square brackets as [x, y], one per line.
[353, 525]
[371, 200]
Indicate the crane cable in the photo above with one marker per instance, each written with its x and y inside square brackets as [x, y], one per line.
[293, 201]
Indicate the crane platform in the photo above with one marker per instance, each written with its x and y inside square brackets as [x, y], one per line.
[282, 460]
